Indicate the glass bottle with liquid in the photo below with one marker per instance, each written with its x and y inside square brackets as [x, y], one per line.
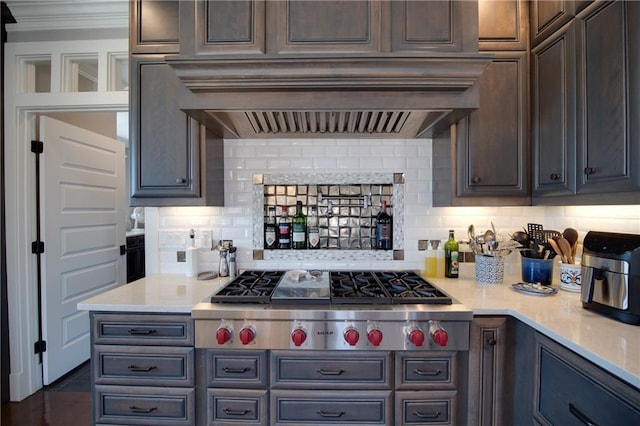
[384, 226]
[284, 230]
[451, 256]
[299, 228]
[271, 230]
[431, 261]
[313, 230]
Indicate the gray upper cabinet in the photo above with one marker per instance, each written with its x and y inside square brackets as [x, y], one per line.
[503, 25]
[489, 150]
[553, 93]
[295, 27]
[609, 93]
[548, 16]
[154, 26]
[586, 91]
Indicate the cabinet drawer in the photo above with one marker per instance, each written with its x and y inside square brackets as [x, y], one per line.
[327, 370]
[425, 408]
[236, 406]
[236, 369]
[427, 371]
[145, 329]
[330, 407]
[138, 405]
[567, 395]
[143, 365]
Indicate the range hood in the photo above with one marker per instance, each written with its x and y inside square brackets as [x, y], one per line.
[316, 97]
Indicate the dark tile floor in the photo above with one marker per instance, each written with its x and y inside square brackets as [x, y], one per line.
[66, 402]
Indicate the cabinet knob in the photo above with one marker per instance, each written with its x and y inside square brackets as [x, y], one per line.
[554, 176]
[476, 179]
[181, 180]
[491, 341]
[590, 171]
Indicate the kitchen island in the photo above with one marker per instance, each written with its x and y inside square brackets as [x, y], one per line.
[167, 300]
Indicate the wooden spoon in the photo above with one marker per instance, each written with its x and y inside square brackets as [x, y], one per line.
[566, 249]
[571, 235]
[554, 246]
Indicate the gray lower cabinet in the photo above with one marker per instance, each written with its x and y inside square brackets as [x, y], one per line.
[571, 391]
[142, 368]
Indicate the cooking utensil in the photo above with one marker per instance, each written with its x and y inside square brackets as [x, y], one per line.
[566, 249]
[571, 235]
[556, 248]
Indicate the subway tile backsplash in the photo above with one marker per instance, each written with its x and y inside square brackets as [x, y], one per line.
[167, 228]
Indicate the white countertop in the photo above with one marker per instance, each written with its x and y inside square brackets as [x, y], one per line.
[612, 345]
[161, 293]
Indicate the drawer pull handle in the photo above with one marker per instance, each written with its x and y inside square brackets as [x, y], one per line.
[427, 415]
[330, 372]
[331, 415]
[144, 331]
[427, 372]
[235, 370]
[141, 369]
[135, 409]
[580, 415]
[230, 412]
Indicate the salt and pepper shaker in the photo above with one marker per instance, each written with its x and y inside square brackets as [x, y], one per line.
[223, 267]
[232, 261]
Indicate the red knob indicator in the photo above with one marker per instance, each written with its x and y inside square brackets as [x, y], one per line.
[298, 336]
[416, 336]
[247, 335]
[375, 337]
[223, 335]
[351, 336]
[440, 337]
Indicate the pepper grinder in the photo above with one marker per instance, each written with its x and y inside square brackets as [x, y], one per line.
[232, 261]
[223, 267]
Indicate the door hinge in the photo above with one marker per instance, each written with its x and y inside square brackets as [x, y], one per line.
[37, 147]
[40, 347]
[37, 247]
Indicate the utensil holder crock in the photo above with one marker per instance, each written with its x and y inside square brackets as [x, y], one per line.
[489, 269]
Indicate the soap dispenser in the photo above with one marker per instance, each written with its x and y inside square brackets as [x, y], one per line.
[192, 256]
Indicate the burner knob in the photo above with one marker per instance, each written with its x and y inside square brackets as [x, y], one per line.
[351, 336]
[375, 336]
[440, 337]
[247, 334]
[223, 335]
[416, 336]
[438, 334]
[298, 336]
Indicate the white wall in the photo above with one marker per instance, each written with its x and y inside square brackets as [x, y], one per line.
[167, 228]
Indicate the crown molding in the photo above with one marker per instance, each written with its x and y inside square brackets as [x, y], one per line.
[41, 15]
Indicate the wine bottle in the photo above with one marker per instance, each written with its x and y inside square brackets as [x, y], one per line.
[299, 228]
[384, 226]
[451, 257]
[284, 230]
[313, 230]
[271, 230]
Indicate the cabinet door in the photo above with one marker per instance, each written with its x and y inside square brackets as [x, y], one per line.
[548, 16]
[154, 26]
[492, 142]
[609, 93]
[223, 27]
[554, 113]
[444, 26]
[503, 25]
[324, 26]
[572, 391]
[165, 156]
[490, 380]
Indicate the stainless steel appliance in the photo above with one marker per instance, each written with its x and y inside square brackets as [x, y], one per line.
[337, 310]
[611, 275]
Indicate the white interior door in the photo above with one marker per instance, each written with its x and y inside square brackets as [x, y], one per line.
[83, 223]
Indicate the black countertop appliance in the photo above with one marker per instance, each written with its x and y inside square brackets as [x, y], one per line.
[611, 275]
